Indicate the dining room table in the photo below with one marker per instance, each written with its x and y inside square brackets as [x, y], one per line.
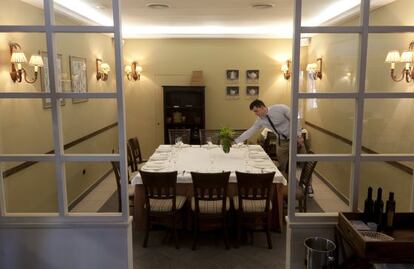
[209, 158]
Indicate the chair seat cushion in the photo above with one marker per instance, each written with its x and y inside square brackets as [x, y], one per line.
[165, 205]
[131, 190]
[210, 207]
[251, 205]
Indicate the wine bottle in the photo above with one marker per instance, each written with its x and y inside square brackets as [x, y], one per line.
[390, 212]
[368, 207]
[378, 209]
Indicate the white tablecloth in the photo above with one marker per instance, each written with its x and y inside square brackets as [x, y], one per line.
[186, 159]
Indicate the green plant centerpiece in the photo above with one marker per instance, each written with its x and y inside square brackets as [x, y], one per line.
[226, 138]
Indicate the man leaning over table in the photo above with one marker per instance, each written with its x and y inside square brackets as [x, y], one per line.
[276, 118]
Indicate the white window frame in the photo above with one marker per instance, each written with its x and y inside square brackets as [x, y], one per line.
[356, 156]
[59, 157]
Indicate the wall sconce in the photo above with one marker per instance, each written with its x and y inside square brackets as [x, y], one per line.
[286, 69]
[18, 58]
[102, 70]
[315, 69]
[133, 71]
[406, 57]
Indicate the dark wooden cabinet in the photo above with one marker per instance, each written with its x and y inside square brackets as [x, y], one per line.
[184, 109]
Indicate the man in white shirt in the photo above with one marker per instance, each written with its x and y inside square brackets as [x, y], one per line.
[277, 119]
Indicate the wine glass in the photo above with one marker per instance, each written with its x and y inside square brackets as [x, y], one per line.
[209, 141]
[178, 140]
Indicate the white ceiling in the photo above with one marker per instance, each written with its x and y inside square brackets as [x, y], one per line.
[211, 18]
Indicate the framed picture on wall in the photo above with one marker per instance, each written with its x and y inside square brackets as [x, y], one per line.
[232, 91]
[78, 76]
[252, 91]
[232, 75]
[44, 78]
[252, 76]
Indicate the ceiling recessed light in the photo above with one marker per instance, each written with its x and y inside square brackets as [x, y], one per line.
[158, 5]
[262, 6]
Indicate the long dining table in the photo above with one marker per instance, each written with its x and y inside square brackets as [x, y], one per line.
[209, 159]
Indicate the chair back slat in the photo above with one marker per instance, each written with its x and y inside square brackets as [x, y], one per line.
[159, 186]
[117, 171]
[210, 187]
[185, 135]
[135, 151]
[131, 159]
[307, 171]
[255, 187]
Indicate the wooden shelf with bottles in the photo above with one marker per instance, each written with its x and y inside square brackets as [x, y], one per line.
[184, 109]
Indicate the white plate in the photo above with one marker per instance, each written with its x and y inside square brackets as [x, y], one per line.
[261, 165]
[159, 157]
[163, 150]
[159, 163]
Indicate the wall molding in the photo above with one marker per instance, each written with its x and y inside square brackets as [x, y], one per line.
[76, 201]
[13, 170]
[397, 165]
[332, 187]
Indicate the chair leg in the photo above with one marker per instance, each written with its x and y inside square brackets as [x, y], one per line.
[304, 205]
[226, 233]
[239, 229]
[195, 233]
[177, 246]
[147, 230]
[269, 238]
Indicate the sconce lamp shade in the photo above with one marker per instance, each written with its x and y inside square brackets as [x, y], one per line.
[128, 69]
[138, 68]
[36, 60]
[105, 68]
[393, 57]
[407, 56]
[284, 68]
[311, 67]
[18, 57]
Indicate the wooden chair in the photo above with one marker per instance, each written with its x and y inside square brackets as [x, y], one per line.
[136, 153]
[302, 185]
[253, 204]
[185, 135]
[162, 205]
[210, 203]
[131, 188]
[213, 134]
[270, 144]
[132, 164]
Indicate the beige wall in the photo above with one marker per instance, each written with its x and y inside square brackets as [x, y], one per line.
[26, 127]
[171, 62]
[388, 124]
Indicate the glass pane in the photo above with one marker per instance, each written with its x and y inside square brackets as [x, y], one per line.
[330, 12]
[91, 187]
[30, 187]
[330, 124]
[329, 191]
[331, 65]
[90, 126]
[388, 126]
[25, 127]
[85, 12]
[24, 12]
[394, 177]
[26, 71]
[384, 52]
[398, 12]
[80, 67]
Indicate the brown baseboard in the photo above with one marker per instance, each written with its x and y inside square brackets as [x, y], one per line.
[88, 190]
